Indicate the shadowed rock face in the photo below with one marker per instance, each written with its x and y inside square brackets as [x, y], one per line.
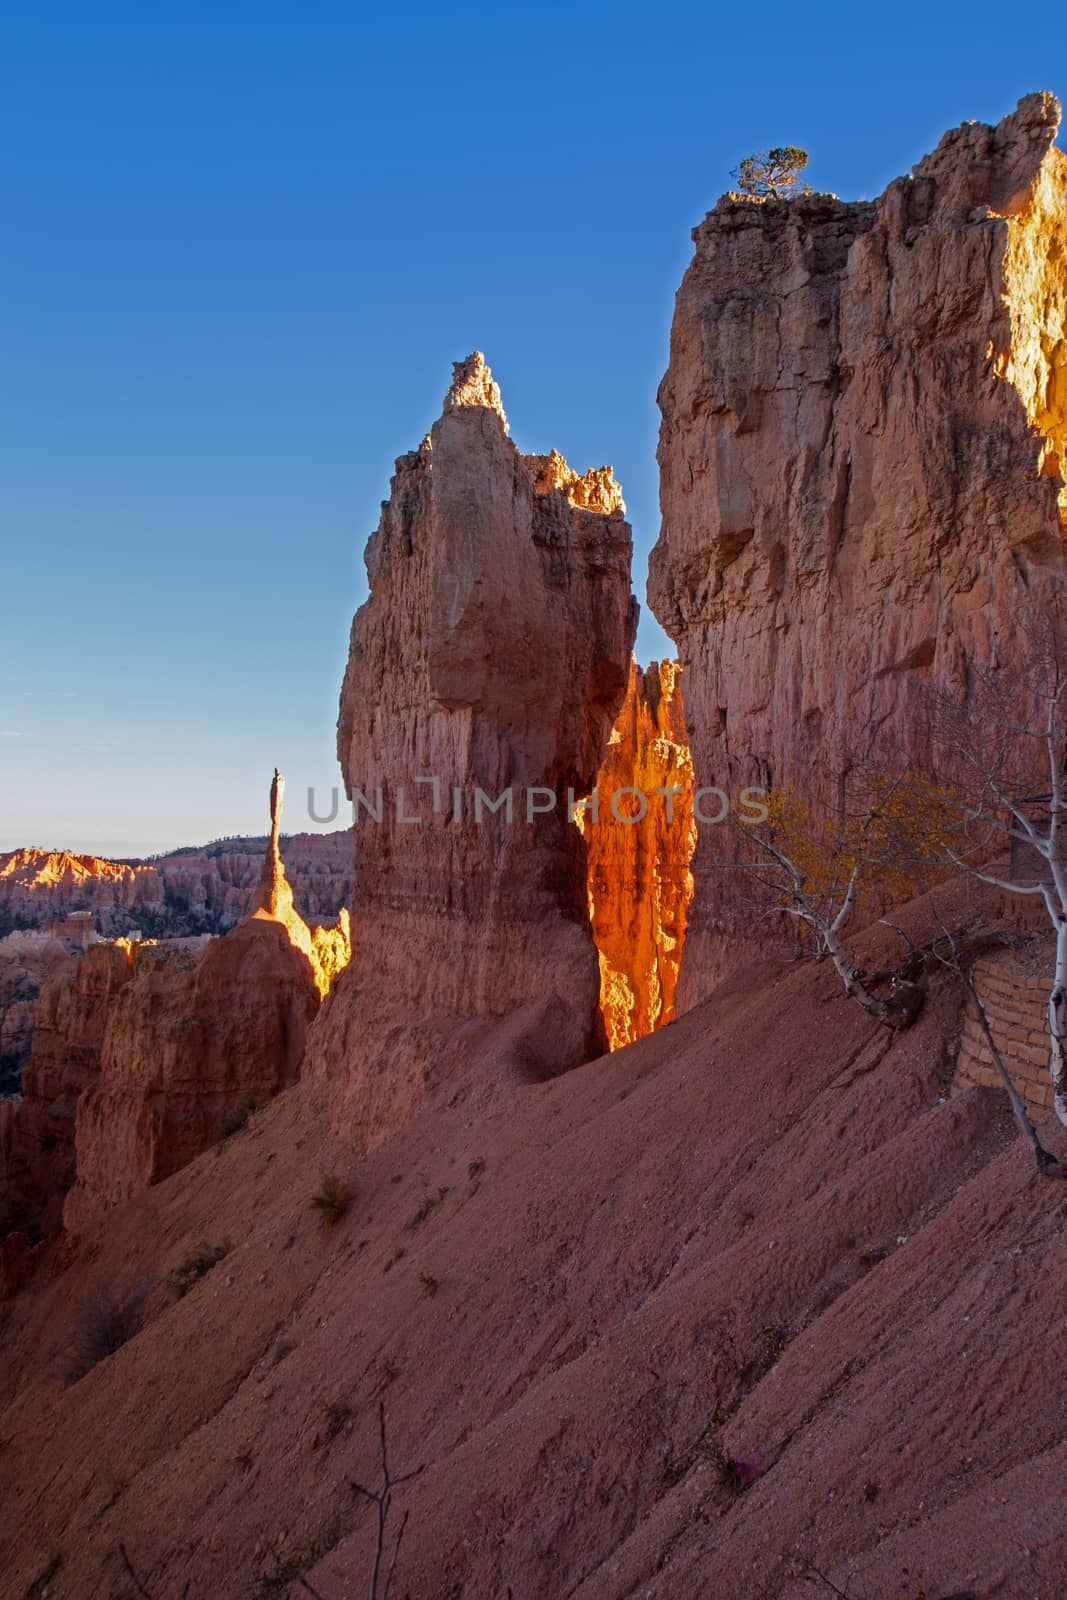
[141, 1052]
[863, 419]
[37, 1156]
[639, 878]
[492, 653]
[189, 1039]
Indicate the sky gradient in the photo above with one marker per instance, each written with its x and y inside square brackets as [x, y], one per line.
[243, 246]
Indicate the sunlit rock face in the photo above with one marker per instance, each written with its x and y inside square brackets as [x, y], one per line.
[863, 420]
[191, 1037]
[190, 891]
[492, 654]
[640, 846]
[141, 1054]
[37, 886]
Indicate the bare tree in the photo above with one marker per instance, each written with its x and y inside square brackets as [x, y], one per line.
[1005, 747]
[813, 869]
[382, 1498]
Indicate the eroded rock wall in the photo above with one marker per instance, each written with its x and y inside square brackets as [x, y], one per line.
[193, 1037]
[37, 1155]
[142, 1053]
[492, 654]
[190, 891]
[640, 845]
[863, 418]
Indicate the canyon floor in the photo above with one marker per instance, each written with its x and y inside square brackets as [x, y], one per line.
[769, 1233]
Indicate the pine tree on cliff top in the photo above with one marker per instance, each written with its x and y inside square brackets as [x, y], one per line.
[773, 174]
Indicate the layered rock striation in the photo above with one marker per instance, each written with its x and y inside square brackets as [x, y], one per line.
[206, 889]
[490, 661]
[641, 839]
[189, 1040]
[144, 1053]
[860, 452]
[37, 1138]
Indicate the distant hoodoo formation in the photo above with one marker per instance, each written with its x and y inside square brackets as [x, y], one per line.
[863, 428]
[187, 892]
[640, 847]
[141, 1055]
[491, 658]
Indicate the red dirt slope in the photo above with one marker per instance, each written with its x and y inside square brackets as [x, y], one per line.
[760, 1230]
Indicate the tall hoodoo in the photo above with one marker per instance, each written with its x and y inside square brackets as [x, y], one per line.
[491, 656]
[863, 420]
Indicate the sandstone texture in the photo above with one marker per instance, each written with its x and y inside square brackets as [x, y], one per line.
[492, 654]
[143, 1053]
[863, 423]
[205, 889]
[37, 1156]
[769, 1233]
[191, 1040]
[640, 846]
[27, 961]
[38, 886]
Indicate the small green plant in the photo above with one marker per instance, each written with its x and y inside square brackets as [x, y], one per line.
[430, 1284]
[427, 1206]
[331, 1202]
[334, 1416]
[197, 1264]
[773, 174]
[385, 1374]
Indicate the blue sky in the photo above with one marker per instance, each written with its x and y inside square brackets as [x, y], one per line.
[243, 245]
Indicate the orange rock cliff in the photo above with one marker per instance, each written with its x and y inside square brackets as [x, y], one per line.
[640, 846]
[492, 655]
[863, 422]
[201, 890]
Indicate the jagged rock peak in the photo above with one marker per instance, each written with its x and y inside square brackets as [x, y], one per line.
[977, 165]
[595, 490]
[473, 384]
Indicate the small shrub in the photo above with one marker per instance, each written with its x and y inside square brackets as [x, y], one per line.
[331, 1202]
[106, 1321]
[385, 1374]
[430, 1285]
[427, 1206]
[197, 1264]
[236, 1118]
[334, 1417]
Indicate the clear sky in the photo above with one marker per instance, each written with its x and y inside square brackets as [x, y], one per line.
[243, 246]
